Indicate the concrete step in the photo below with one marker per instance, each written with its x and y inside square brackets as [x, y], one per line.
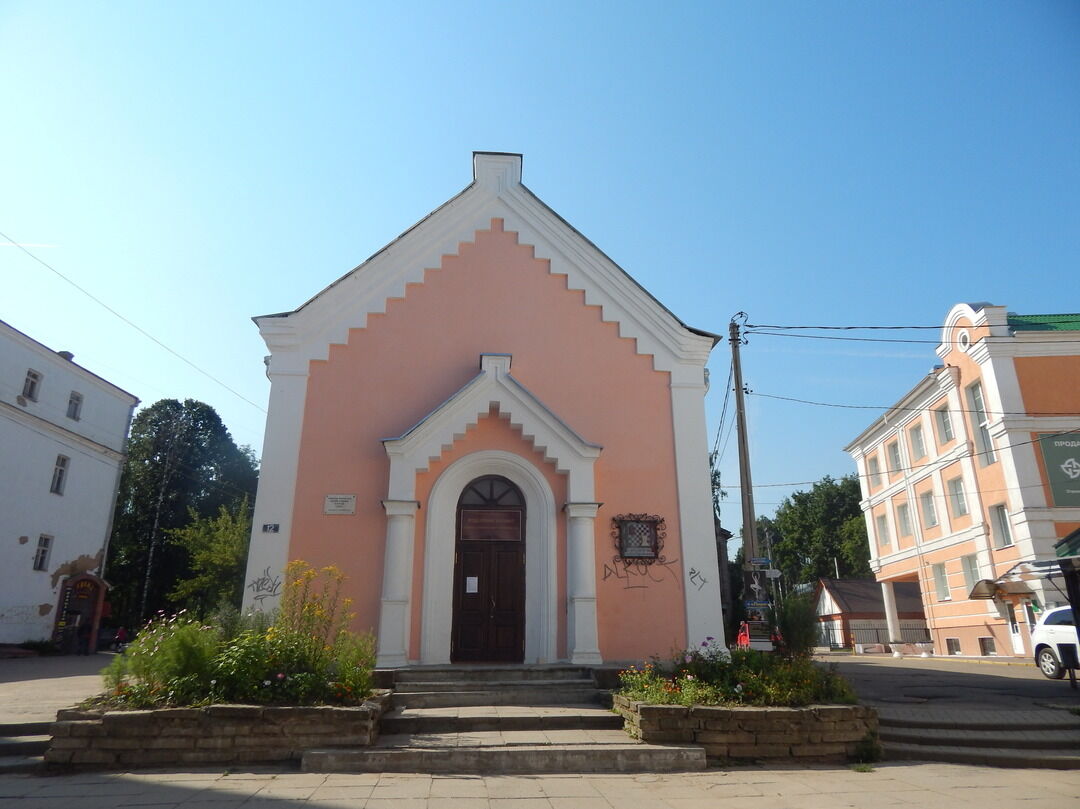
[502, 696]
[1041, 739]
[18, 765]
[460, 673]
[28, 745]
[24, 728]
[1058, 720]
[625, 757]
[984, 756]
[560, 686]
[582, 717]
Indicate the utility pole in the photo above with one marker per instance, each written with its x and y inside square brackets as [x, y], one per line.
[749, 529]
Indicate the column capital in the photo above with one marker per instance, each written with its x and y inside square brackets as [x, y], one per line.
[400, 508]
[582, 509]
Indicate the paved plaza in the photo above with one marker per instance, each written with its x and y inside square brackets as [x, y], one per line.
[901, 785]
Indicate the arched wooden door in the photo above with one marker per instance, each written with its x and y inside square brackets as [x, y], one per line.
[489, 573]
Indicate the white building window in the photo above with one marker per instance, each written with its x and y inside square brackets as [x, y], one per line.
[918, 446]
[941, 583]
[944, 425]
[903, 517]
[41, 555]
[74, 410]
[31, 385]
[952, 646]
[874, 468]
[929, 513]
[882, 523]
[59, 475]
[999, 519]
[971, 570]
[893, 451]
[983, 442]
[956, 495]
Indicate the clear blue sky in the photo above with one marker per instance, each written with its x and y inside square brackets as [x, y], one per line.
[195, 164]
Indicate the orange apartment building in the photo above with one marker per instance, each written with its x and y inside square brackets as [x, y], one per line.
[977, 469]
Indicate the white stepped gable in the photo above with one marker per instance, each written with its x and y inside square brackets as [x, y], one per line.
[496, 192]
[494, 386]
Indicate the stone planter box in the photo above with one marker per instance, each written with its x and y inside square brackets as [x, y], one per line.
[216, 734]
[814, 733]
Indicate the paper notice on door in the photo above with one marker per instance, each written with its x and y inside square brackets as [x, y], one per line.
[472, 584]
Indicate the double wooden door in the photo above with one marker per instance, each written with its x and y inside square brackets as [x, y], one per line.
[489, 574]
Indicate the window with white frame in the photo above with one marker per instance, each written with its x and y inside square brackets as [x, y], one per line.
[59, 476]
[918, 446]
[944, 425]
[74, 410]
[874, 470]
[1000, 525]
[970, 564]
[41, 554]
[941, 583]
[952, 646]
[929, 512]
[893, 452]
[983, 442]
[31, 385]
[956, 497]
[882, 524]
[903, 518]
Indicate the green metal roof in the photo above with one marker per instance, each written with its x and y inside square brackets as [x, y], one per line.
[1044, 322]
[1068, 546]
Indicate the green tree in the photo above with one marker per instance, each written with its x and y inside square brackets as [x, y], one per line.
[217, 552]
[181, 460]
[813, 533]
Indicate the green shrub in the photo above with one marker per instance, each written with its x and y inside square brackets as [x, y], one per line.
[305, 656]
[795, 621]
[712, 676]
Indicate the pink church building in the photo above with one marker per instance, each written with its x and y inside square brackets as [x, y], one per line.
[499, 436]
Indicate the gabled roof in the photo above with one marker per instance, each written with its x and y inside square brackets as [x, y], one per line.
[496, 192]
[864, 595]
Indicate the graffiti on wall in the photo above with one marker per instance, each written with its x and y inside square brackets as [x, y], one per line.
[636, 576]
[265, 586]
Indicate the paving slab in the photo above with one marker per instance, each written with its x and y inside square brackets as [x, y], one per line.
[33, 689]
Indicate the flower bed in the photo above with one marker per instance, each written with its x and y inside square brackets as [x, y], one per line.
[214, 734]
[739, 733]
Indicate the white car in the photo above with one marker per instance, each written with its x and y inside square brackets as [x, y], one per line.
[1055, 627]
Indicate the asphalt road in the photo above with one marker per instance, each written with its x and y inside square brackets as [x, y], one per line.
[952, 682]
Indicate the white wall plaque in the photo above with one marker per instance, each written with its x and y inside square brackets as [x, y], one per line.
[339, 504]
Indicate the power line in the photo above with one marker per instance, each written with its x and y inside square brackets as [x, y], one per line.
[910, 409]
[137, 328]
[990, 337]
[723, 409]
[869, 328]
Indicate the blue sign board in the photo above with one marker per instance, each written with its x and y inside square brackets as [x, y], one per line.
[761, 560]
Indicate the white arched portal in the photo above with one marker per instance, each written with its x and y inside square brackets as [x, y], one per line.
[541, 556]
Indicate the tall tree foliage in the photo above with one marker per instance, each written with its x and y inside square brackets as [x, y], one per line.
[182, 464]
[217, 552]
[813, 533]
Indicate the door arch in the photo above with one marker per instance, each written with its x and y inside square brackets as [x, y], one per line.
[489, 573]
[541, 585]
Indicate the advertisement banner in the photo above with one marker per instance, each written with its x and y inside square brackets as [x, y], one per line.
[1061, 460]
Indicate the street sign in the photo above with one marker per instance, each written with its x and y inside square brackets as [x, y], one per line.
[756, 605]
[761, 560]
[772, 573]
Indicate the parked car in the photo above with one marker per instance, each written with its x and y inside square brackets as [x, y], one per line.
[1054, 627]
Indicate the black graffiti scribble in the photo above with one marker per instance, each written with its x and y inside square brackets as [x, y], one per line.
[696, 578]
[635, 576]
[265, 586]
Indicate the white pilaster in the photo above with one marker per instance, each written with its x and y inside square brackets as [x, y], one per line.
[582, 639]
[701, 571]
[397, 581]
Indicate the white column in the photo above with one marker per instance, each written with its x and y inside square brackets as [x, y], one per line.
[397, 583]
[891, 618]
[581, 635]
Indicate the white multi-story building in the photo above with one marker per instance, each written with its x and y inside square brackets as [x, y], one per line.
[62, 439]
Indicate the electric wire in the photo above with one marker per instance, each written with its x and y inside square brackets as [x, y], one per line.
[990, 337]
[137, 328]
[1073, 414]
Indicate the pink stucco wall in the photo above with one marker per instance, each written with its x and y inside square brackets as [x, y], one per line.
[493, 296]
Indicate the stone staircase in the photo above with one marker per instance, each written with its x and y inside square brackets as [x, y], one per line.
[502, 719]
[1046, 739]
[22, 746]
